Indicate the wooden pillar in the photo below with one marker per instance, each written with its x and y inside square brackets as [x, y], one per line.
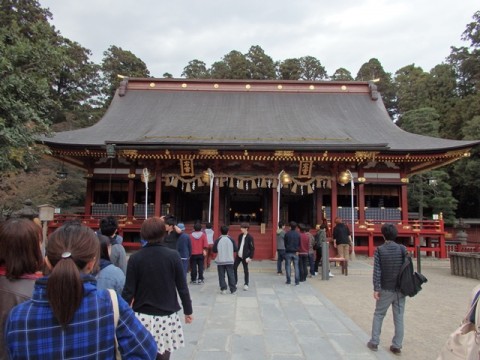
[275, 220]
[89, 197]
[158, 193]
[334, 199]
[361, 203]
[319, 203]
[404, 203]
[216, 207]
[131, 197]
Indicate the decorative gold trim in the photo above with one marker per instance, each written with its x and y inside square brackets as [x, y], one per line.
[152, 85]
[285, 153]
[131, 176]
[366, 154]
[208, 152]
[184, 85]
[405, 180]
[312, 87]
[279, 87]
[248, 86]
[361, 179]
[344, 88]
[458, 153]
[128, 153]
[216, 86]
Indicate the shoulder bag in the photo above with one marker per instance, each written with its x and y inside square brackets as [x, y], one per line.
[113, 296]
[464, 342]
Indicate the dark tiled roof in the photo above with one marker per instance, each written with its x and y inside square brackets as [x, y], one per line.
[299, 119]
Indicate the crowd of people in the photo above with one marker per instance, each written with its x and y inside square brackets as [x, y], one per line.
[57, 296]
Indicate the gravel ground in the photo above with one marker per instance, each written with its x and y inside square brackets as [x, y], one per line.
[430, 316]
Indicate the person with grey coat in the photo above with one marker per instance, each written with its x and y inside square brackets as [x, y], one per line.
[225, 248]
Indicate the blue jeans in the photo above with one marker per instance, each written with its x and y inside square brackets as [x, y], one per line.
[222, 269]
[397, 300]
[289, 257]
[185, 263]
[311, 263]
[280, 259]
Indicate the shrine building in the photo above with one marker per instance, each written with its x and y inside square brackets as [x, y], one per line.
[233, 151]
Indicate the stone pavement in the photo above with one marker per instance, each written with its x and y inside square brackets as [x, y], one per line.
[273, 320]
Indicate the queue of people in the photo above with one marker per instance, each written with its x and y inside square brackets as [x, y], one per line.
[69, 285]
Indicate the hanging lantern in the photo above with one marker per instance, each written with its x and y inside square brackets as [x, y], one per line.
[344, 177]
[285, 178]
[206, 176]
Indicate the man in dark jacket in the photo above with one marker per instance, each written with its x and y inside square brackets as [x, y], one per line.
[292, 244]
[388, 260]
[118, 256]
[342, 239]
[246, 249]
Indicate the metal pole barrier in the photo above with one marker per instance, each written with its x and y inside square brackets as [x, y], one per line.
[325, 263]
[419, 260]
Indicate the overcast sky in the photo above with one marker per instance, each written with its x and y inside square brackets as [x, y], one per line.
[166, 35]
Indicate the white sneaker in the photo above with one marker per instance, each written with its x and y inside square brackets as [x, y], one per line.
[223, 292]
[330, 274]
[245, 287]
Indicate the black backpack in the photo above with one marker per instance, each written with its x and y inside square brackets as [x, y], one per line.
[409, 282]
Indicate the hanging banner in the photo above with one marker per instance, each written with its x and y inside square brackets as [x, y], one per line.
[305, 169]
[186, 167]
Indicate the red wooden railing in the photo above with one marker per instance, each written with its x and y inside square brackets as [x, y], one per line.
[428, 235]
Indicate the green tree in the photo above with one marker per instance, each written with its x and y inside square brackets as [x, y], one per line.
[261, 66]
[234, 65]
[29, 53]
[429, 192]
[76, 87]
[220, 70]
[196, 69]
[423, 121]
[442, 89]
[289, 69]
[117, 61]
[312, 69]
[373, 70]
[466, 183]
[342, 74]
[412, 88]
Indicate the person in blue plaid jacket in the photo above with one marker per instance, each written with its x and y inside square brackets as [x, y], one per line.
[67, 316]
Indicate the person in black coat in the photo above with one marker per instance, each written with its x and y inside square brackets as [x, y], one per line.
[245, 253]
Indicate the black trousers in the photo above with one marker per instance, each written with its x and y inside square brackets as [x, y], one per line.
[237, 262]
